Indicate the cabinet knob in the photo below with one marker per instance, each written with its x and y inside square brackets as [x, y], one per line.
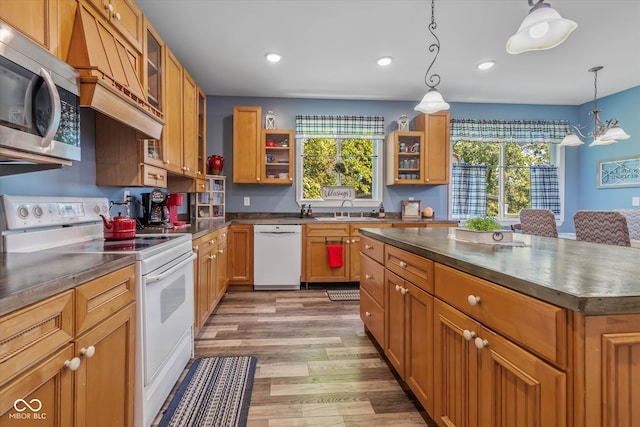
[368, 314]
[212, 256]
[468, 335]
[480, 343]
[404, 291]
[117, 16]
[211, 242]
[88, 352]
[220, 251]
[258, 179]
[403, 264]
[367, 276]
[398, 287]
[426, 180]
[473, 300]
[368, 247]
[72, 364]
[109, 7]
[166, 162]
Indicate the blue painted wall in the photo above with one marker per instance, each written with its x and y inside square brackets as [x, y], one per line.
[581, 162]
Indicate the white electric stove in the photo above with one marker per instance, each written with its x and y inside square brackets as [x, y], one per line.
[164, 287]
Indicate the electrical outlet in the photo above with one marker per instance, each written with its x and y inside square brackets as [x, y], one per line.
[247, 201]
[125, 196]
[635, 201]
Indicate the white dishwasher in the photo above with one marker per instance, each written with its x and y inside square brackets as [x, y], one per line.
[277, 256]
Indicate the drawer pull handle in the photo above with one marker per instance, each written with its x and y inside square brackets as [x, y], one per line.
[367, 314]
[88, 352]
[480, 343]
[72, 364]
[473, 300]
[403, 264]
[468, 335]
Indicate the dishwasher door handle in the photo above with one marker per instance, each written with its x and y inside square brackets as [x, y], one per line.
[277, 232]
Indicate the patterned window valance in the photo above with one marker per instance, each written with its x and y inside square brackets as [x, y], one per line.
[518, 131]
[340, 127]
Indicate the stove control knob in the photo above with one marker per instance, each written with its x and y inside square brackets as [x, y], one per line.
[23, 211]
[37, 211]
[96, 209]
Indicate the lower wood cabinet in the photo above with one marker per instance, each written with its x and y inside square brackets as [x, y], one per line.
[72, 362]
[240, 260]
[483, 379]
[408, 342]
[210, 274]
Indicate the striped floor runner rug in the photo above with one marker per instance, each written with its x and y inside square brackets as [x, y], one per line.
[344, 294]
[215, 392]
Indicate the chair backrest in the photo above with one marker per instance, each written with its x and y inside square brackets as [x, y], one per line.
[608, 227]
[633, 221]
[540, 222]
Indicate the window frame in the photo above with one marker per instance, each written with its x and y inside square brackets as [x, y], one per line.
[557, 158]
[377, 180]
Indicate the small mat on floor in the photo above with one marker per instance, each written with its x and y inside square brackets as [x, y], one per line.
[344, 295]
[215, 392]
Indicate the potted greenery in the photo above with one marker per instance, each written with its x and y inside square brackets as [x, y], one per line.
[483, 229]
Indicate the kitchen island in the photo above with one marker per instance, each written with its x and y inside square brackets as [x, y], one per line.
[543, 333]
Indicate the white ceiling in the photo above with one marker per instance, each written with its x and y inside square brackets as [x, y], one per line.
[330, 48]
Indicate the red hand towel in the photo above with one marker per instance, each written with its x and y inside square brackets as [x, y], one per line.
[334, 253]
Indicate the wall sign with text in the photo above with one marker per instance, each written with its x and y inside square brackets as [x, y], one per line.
[619, 173]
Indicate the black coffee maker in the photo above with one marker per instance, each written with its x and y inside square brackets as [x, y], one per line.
[154, 205]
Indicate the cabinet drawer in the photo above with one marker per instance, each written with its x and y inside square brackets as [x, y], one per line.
[100, 298]
[34, 332]
[372, 278]
[372, 316]
[153, 176]
[322, 230]
[372, 248]
[413, 268]
[532, 323]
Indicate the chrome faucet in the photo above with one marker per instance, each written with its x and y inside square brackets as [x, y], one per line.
[342, 207]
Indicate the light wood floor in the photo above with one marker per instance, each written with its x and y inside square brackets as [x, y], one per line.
[316, 364]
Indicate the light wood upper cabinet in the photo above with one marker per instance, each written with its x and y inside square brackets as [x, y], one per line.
[276, 156]
[437, 146]
[47, 22]
[172, 132]
[405, 158]
[247, 134]
[124, 16]
[190, 139]
[153, 66]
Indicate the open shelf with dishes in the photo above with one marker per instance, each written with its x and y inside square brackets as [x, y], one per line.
[210, 204]
[277, 156]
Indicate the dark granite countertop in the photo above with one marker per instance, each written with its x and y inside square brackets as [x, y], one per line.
[202, 227]
[26, 278]
[587, 277]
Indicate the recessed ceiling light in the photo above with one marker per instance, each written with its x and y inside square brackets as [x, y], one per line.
[273, 57]
[486, 65]
[385, 60]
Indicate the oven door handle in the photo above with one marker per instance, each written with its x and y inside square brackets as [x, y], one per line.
[179, 264]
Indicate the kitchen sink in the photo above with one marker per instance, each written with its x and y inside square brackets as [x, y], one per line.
[346, 219]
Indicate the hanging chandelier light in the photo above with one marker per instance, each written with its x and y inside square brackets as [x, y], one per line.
[603, 133]
[432, 102]
[543, 28]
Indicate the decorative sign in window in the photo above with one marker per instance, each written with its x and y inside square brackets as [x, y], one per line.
[338, 192]
[619, 173]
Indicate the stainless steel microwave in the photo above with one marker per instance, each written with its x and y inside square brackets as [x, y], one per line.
[39, 99]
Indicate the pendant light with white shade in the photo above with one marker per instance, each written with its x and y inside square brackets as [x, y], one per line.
[603, 133]
[543, 28]
[432, 102]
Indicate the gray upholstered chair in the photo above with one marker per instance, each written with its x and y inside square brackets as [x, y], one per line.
[540, 222]
[633, 222]
[608, 227]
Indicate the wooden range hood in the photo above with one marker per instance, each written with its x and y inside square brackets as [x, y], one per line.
[109, 82]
